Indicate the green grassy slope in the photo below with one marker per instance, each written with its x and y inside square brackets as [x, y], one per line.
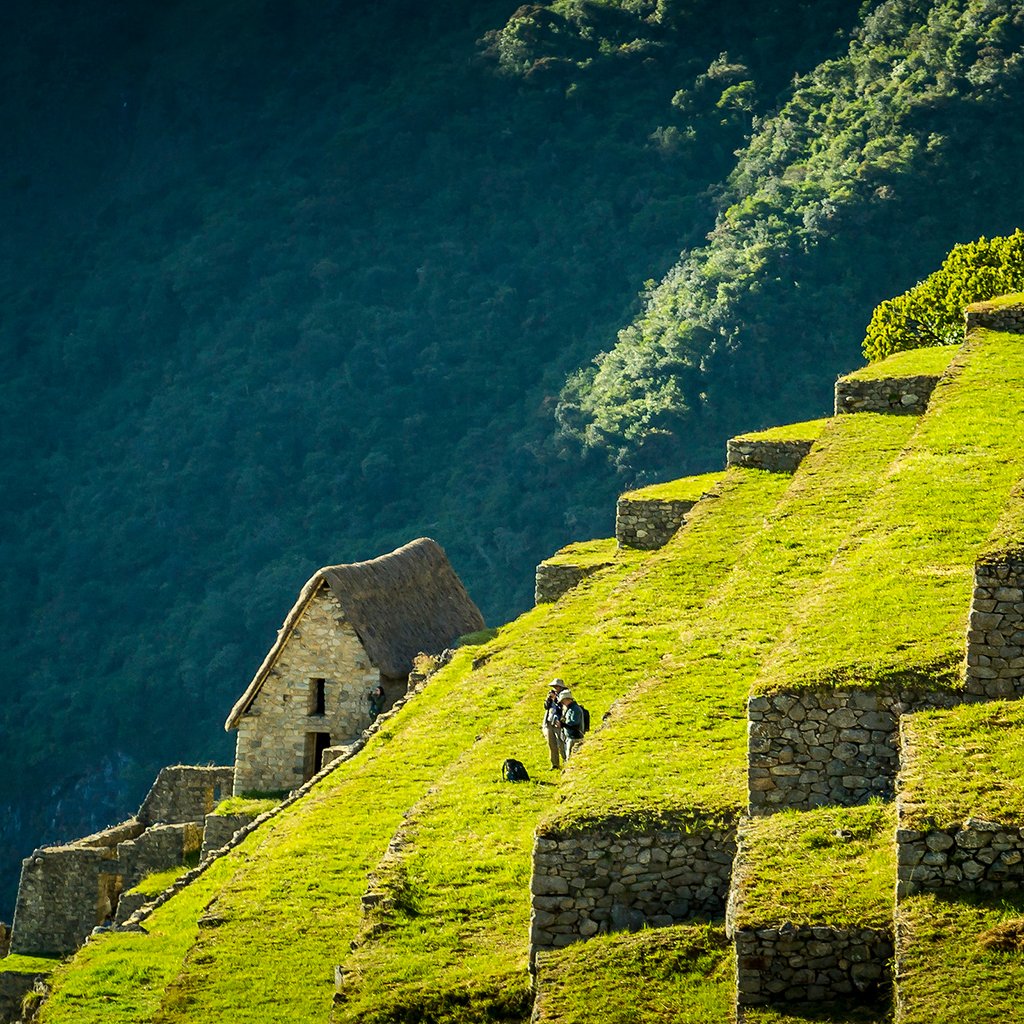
[894, 607]
[464, 872]
[676, 746]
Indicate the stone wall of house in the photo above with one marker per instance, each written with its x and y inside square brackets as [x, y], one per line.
[555, 579]
[976, 856]
[891, 395]
[995, 633]
[592, 883]
[775, 456]
[648, 524]
[816, 747]
[185, 793]
[274, 749]
[1008, 318]
[811, 964]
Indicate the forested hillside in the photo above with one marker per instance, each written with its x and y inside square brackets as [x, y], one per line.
[287, 284]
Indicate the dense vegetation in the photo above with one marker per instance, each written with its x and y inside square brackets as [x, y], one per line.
[286, 284]
[834, 198]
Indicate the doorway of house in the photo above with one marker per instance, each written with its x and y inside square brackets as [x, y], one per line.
[316, 744]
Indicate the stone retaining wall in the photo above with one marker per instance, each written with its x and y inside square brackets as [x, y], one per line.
[1008, 318]
[977, 856]
[597, 882]
[995, 634]
[811, 964]
[891, 395]
[555, 579]
[185, 793]
[775, 456]
[811, 748]
[14, 986]
[648, 524]
[220, 828]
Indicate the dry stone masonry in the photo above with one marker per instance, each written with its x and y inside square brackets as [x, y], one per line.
[976, 856]
[1003, 318]
[816, 747]
[553, 579]
[995, 638]
[319, 686]
[810, 964]
[67, 890]
[592, 883]
[774, 456]
[890, 395]
[649, 524]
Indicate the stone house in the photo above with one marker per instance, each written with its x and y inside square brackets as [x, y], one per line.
[353, 628]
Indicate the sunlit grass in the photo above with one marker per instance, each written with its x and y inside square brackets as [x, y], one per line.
[831, 866]
[893, 608]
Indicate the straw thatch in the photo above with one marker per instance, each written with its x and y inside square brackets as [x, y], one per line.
[399, 604]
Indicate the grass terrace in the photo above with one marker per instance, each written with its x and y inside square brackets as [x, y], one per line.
[917, 362]
[675, 748]
[245, 805]
[585, 553]
[682, 974]
[16, 963]
[831, 866]
[961, 960]
[689, 488]
[1008, 536]
[817, 1015]
[967, 762]
[810, 430]
[999, 302]
[893, 610]
[466, 860]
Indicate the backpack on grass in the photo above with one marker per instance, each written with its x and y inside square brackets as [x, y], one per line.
[514, 771]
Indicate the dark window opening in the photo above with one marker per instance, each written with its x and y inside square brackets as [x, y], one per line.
[317, 696]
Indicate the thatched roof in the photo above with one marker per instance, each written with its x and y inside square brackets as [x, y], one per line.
[402, 603]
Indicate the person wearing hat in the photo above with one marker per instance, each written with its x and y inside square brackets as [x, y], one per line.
[551, 725]
[571, 721]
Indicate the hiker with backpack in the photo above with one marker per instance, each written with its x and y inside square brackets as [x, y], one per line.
[573, 721]
[551, 725]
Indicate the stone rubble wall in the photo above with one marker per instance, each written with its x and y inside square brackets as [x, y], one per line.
[598, 882]
[891, 395]
[554, 580]
[271, 749]
[14, 986]
[648, 524]
[59, 898]
[185, 793]
[816, 747]
[976, 856]
[811, 964]
[220, 828]
[774, 456]
[995, 633]
[157, 849]
[1008, 318]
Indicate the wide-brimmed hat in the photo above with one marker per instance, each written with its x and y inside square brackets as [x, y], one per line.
[557, 683]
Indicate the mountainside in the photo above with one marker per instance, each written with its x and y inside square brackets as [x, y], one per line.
[287, 284]
[825, 611]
